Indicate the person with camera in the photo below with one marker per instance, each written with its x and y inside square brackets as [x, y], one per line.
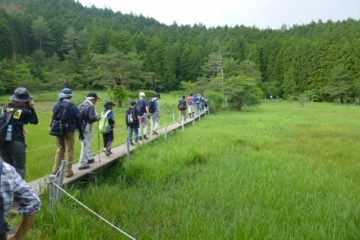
[18, 112]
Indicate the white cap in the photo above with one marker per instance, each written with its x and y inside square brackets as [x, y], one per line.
[141, 94]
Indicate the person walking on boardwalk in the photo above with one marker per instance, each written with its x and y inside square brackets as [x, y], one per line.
[88, 116]
[143, 111]
[182, 109]
[66, 112]
[190, 106]
[15, 189]
[18, 112]
[154, 110]
[107, 127]
[132, 123]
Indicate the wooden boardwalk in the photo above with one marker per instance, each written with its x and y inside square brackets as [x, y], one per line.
[101, 160]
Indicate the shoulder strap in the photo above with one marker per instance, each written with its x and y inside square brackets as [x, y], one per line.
[2, 218]
[8, 117]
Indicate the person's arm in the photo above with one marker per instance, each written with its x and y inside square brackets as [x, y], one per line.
[92, 115]
[26, 222]
[28, 201]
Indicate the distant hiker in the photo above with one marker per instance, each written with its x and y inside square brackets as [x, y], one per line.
[143, 111]
[88, 116]
[13, 116]
[106, 126]
[154, 110]
[191, 109]
[65, 121]
[132, 123]
[182, 109]
[15, 189]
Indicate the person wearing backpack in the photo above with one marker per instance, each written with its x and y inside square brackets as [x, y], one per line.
[88, 116]
[132, 123]
[182, 109]
[190, 106]
[67, 113]
[18, 112]
[107, 127]
[15, 189]
[143, 111]
[154, 110]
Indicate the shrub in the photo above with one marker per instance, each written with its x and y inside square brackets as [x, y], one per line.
[216, 100]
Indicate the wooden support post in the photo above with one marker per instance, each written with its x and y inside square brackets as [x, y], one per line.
[182, 123]
[51, 186]
[173, 117]
[60, 179]
[165, 135]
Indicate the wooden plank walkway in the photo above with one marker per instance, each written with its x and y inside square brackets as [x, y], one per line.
[101, 160]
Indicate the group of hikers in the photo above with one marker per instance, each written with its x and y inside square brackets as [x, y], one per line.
[67, 118]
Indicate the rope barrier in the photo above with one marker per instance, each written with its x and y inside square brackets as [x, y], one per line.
[41, 148]
[87, 208]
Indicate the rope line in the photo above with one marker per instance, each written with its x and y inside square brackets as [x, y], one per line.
[87, 208]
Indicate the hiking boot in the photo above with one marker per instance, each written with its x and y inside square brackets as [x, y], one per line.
[155, 133]
[107, 152]
[69, 174]
[83, 167]
[140, 138]
[132, 144]
[91, 160]
[145, 137]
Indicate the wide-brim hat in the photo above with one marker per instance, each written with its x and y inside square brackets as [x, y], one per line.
[21, 94]
[65, 93]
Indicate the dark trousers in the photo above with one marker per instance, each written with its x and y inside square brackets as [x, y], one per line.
[13, 153]
[108, 138]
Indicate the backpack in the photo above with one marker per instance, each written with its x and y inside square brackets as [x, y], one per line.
[190, 100]
[131, 117]
[5, 118]
[104, 126]
[60, 121]
[182, 104]
[141, 107]
[152, 107]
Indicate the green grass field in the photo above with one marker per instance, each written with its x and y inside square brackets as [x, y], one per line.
[278, 171]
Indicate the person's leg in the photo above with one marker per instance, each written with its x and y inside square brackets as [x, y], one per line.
[84, 146]
[145, 125]
[91, 130]
[17, 151]
[136, 135]
[69, 149]
[59, 155]
[157, 121]
[5, 154]
[152, 119]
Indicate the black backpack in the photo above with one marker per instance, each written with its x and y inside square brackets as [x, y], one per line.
[60, 121]
[131, 117]
[5, 121]
[182, 104]
[152, 107]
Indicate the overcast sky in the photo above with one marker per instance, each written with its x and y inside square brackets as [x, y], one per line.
[260, 13]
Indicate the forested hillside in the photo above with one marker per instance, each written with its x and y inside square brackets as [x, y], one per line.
[49, 44]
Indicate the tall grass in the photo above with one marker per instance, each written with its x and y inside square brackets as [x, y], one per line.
[274, 172]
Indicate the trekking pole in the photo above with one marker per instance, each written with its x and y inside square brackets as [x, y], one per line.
[99, 142]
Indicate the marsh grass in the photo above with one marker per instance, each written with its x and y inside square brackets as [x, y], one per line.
[279, 171]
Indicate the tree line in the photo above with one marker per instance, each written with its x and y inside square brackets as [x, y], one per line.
[50, 44]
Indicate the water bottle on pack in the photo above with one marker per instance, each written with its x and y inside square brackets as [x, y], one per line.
[9, 133]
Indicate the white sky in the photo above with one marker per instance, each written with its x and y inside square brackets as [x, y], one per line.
[261, 13]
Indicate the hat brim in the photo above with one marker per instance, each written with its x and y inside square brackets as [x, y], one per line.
[16, 99]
